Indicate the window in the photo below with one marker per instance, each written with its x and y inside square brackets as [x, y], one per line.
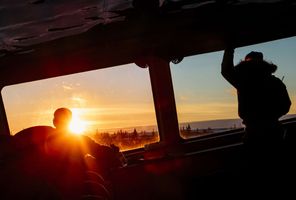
[206, 103]
[112, 105]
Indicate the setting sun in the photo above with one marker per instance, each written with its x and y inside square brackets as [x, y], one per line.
[77, 126]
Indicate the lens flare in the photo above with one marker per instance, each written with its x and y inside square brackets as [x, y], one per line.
[77, 126]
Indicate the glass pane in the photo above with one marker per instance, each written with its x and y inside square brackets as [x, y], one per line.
[112, 105]
[207, 103]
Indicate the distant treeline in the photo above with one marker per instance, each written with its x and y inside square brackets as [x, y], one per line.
[126, 140]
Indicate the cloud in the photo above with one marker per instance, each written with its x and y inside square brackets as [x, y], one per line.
[78, 100]
[65, 87]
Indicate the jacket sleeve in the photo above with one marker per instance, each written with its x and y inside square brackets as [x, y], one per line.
[227, 67]
[110, 155]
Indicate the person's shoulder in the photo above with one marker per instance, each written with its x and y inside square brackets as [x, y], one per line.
[88, 139]
[276, 80]
[93, 144]
[34, 135]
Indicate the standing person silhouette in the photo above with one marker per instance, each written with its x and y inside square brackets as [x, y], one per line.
[262, 100]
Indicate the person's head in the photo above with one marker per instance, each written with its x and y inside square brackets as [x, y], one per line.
[255, 66]
[62, 118]
[254, 56]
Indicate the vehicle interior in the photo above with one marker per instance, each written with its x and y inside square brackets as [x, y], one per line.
[133, 58]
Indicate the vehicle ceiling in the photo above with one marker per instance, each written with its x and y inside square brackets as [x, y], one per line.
[46, 38]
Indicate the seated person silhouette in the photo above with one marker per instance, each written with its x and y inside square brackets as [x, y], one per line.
[74, 157]
[87, 146]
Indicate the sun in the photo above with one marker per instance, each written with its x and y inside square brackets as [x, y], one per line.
[77, 126]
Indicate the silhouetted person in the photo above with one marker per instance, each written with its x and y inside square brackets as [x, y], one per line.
[262, 97]
[72, 157]
[262, 100]
[61, 121]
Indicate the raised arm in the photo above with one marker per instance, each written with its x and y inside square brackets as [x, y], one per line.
[227, 67]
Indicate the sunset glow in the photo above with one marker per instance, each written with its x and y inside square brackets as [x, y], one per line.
[120, 98]
[77, 125]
